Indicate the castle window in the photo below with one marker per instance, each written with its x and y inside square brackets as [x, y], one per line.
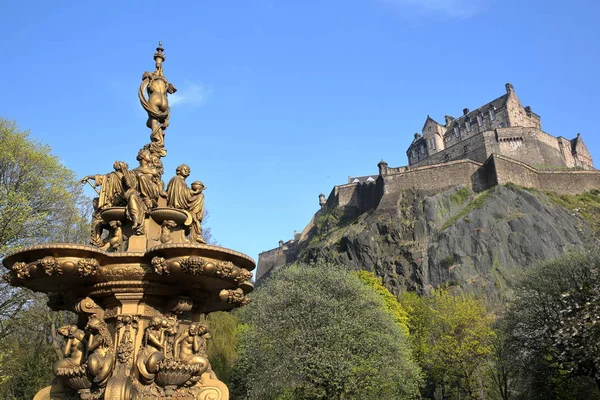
[480, 120]
[414, 153]
[457, 131]
[521, 116]
[468, 125]
[446, 157]
[431, 143]
[465, 150]
[492, 114]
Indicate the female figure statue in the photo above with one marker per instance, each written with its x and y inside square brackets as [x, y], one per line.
[157, 104]
[148, 178]
[188, 348]
[152, 350]
[191, 200]
[112, 186]
[136, 209]
[111, 194]
[101, 359]
[75, 349]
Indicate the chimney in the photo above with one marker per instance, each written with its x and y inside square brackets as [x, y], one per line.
[448, 119]
[528, 110]
[509, 88]
[281, 244]
[465, 111]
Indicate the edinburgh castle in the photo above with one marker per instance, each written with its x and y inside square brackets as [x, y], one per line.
[498, 143]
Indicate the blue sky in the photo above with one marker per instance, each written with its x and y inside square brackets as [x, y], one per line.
[279, 101]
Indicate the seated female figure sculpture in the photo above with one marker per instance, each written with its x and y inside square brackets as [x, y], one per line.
[189, 199]
[188, 348]
[74, 350]
[152, 351]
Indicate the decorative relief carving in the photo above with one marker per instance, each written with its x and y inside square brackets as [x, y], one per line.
[50, 266]
[88, 306]
[101, 359]
[210, 393]
[160, 266]
[224, 269]
[127, 326]
[88, 358]
[193, 265]
[111, 312]
[124, 272]
[21, 269]
[235, 296]
[87, 267]
[170, 357]
[243, 275]
[151, 352]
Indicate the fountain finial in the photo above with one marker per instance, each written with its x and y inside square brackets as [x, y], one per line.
[159, 57]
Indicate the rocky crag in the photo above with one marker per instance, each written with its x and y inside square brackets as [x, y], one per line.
[477, 241]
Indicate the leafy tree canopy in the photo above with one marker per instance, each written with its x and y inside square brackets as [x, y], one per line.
[318, 332]
[452, 337]
[40, 201]
[554, 325]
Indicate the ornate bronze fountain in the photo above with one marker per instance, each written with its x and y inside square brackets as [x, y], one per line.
[143, 287]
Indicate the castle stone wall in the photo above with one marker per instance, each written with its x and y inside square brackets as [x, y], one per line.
[569, 182]
[528, 145]
[359, 196]
[347, 195]
[513, 171]
[534, 147]
[472, 148]
[268, 260]
[563, 182]
[434, 177]
[497, 170]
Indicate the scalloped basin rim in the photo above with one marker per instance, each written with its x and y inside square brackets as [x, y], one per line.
[180, 249]
[32, 253]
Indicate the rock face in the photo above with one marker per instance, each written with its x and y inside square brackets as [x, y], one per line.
[455, 238]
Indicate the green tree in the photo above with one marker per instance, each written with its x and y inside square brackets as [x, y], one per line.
[392, 305]
[554, 327]
[40, 198]
[40, 201]
[452, 337]
[318, 332]
[221, 347]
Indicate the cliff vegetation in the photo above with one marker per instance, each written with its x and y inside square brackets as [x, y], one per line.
[477, 242]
